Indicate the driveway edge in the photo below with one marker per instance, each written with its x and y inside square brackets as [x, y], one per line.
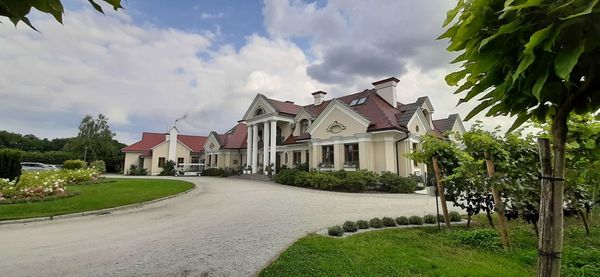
[95, 212]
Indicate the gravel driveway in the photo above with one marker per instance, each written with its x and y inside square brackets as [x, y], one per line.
[225, 227]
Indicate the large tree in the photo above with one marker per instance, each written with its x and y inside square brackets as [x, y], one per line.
[95, 139]
[17, 10]
[531, 58]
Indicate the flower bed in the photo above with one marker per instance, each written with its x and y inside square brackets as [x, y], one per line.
[43, 185]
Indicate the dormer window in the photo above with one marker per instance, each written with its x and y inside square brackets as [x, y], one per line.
[304, 126]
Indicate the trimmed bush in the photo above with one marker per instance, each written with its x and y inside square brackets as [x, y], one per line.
[74, 164]
[99, 166]
[402, 220]
[168, 169]
[213, 172]
[10, 164]
[376, 222]
[350, 227]
[455, 216]
[441, 218]
[415, 220]
[322, 180]
[396, 184]
[388, 222]
[356, 181]
[362, 224]
[429, 219]
[286, 176]
[134, 170]
[336, 231]
[50, 157]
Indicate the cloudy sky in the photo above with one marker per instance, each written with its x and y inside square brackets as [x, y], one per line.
[155, 61]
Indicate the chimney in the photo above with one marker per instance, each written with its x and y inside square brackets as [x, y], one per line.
[172, 137]
[319, 96]
[386, 88]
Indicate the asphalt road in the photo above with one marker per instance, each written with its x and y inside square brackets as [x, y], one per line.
[224, 227]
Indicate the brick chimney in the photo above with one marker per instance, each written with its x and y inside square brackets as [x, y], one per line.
[386, 88]
[319, 96]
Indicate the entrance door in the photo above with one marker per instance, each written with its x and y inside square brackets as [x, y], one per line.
[277, 162]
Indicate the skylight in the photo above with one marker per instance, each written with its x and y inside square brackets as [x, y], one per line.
[358, 101]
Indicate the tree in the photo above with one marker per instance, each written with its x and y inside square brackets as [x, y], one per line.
[17, 10]
[95, 139]
[531, 58]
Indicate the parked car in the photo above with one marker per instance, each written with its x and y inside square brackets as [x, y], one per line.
[31, 166]
[54, 167]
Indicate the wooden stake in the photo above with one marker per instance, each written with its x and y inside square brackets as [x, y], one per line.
[440, 188]
[499, 205]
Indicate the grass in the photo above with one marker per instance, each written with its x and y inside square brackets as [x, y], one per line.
[429, 252]
[97, 196]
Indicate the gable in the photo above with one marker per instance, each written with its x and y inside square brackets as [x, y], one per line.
[337, 120]
[418, 121]
[212, 143]
[259, 102]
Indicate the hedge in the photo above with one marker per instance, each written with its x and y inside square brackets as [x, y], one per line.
[10, 164]
[349, 181]
[74, 164]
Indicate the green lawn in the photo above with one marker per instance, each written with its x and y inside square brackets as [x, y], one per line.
[97, 196]
[428, 252]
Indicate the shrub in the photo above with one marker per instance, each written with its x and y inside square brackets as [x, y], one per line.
[168, 169]
[134, 170]
[455, 216]
[357, 181]
[35, 186]
[214, 171]
[396, 184]
[376, 222]
[302, 167]
[10, 164]
[286, 176]
[415, 220]
[441, 218]
[74, 164]
[402, 220]
[322, 180]
[335, 231]
[98, 165]
[350, 227]
[388, 222]
[362, 224]
[429, 219]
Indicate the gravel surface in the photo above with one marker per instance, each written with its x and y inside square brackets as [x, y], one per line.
[224, 227]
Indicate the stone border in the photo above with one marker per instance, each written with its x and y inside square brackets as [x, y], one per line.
[324, 232]
[94, 212]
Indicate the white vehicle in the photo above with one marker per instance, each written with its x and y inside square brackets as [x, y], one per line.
[31, 166]
[189, 169]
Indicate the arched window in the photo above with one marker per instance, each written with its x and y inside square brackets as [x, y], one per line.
[426, 114]
[304, 126]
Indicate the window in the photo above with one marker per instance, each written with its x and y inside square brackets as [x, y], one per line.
[179, 160]
[215, 161]
[328, 155]
[304, 126]
[259, 111]
[351, 155]
[195, 160]
[417, 128]
[415, 148]
[297, 157]
[235, 162]
[358, 101]
[307, 157]
[161, 161]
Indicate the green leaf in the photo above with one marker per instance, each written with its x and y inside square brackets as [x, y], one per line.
[528, 56]
[539, 84]
[451, 14]
[588, 10]
[449, 33]
[96, 6]
[115, 3]
[453, 78]
[567, 59]
[504, 29]
[521, 118]
[526, 4]
[526, 61]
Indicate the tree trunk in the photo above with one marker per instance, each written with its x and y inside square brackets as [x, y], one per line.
[535, 228]
[488, 214]
[585, 224]
[440, 188]
[499, 205]
[469, 222]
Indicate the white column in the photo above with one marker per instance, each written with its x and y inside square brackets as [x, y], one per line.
[254, 148]
[249, 146]
[265, 146]
[273, 143]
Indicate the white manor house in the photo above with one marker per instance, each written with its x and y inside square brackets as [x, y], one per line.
[365, 130]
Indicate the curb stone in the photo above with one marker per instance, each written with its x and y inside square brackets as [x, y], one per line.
[94, 212]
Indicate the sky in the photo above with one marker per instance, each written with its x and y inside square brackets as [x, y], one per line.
[155, 61]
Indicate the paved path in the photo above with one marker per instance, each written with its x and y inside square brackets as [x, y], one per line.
[225, 227]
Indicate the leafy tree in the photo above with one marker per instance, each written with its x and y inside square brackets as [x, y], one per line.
[95, 139]
[17, 10]
[531, 58]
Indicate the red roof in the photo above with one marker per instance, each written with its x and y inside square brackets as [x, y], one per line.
[151, 140]
[285, 107]
[234, 138]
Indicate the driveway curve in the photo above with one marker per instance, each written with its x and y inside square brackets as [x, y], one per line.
[224, 227]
